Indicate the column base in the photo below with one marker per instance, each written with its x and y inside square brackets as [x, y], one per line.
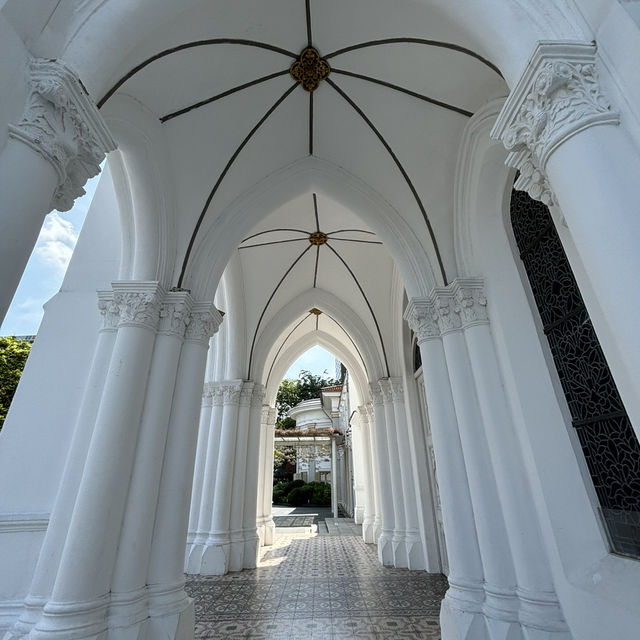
[369, 531]
[251, 550]
[193, 558]
[215, 559]
[269, 532]
[236, 551]
[385, 549]
[415, 552]
[398, 543]
[358, 515]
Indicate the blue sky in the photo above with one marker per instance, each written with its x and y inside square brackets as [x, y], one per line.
[48, 263]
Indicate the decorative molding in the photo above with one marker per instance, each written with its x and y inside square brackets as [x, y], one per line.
[23, 522]
[205, 321]
[231, 392]
[470, 301]
[460, 305]
[396, 388]
[246, 394]
[385, 389]
[174, 313]
[530, 179]
[557, 96]
[62, 123]
[109, 311]
[420, 317]
[138, 302]
[217, 395]
[258, 395]
[376, 393]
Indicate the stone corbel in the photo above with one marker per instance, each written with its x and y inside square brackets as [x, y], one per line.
[62, 123]
[557, 96]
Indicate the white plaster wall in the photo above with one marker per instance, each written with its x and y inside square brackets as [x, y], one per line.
[38, 429]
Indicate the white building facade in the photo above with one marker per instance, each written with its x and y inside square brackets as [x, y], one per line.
[335, 173]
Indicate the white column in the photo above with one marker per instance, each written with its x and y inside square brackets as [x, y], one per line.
[394, 478]
[204, 505]
[334, 477]
[128, 585]
[359, 474]
[199, 468]
[415, 552]
[375, 473]
[260, 507]
[215, 559]
[383, 472]
[53, 544]
[462, 606]
[269, 416]
[368, 528]
[80, 596]
[249, 519]
[57, 146]
[539, 607]
[558, 122]
[236, 554]
[169, 607]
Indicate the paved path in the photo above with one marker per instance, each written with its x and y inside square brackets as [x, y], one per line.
[316, 588]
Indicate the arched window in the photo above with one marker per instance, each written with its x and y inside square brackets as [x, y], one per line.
[598, 415]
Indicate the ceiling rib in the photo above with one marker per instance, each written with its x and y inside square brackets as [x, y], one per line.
[383, 83]
[355, 346]
[364, 295]
[287, 272]
[280, 349]
[431, 43]
[224, 94]
[191, 45]
[224, 173]
[386, 145]
[265, 244]
[261, 233]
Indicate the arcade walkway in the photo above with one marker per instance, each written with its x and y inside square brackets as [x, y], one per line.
[320, 586]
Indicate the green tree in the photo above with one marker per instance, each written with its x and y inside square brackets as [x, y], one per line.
[292, 392]
[13, 355]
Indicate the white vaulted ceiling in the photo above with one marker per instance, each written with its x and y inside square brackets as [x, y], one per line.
[403, 83]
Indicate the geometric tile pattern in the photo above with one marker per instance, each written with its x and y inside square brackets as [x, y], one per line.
[317, 588]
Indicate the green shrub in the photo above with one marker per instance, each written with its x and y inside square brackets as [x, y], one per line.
[321, 494]
[301, 496]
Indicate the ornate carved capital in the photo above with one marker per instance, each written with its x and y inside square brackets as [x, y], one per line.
[470, 301]
[557, 96]
[257, 396]
[231, 392]
[204, 321]
[217, 394]
[139, 303]
[246, 394]
[207, 394]
[444, 310]
[397, 389]
[109, 311]
[376, 393]
[385, 390]
[62, 123]
[421, 318]
[174, 313]
[364, 416]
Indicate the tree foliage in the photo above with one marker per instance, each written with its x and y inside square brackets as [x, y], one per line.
[291, 392]
[13, 356]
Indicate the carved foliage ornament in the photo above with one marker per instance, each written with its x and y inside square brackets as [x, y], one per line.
[203, 323]
[557, 96]
[310, 69]
[109, 311]
[61, 122]
[138, 307]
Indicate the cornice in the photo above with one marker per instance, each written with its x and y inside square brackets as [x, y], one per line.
[62, 123]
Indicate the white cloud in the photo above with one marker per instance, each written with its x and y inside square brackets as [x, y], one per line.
[56, 242]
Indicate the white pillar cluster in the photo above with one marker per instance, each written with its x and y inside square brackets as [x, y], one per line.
[113, 555]
[223, 518]
[500, 579]
[266, 526]
[55, 148]
[369, 533]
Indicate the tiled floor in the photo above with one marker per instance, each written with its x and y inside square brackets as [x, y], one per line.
[319, 587]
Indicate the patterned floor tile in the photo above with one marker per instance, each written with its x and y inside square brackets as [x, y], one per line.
[318, 588]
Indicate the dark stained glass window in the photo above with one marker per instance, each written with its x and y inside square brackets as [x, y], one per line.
[598, 415]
